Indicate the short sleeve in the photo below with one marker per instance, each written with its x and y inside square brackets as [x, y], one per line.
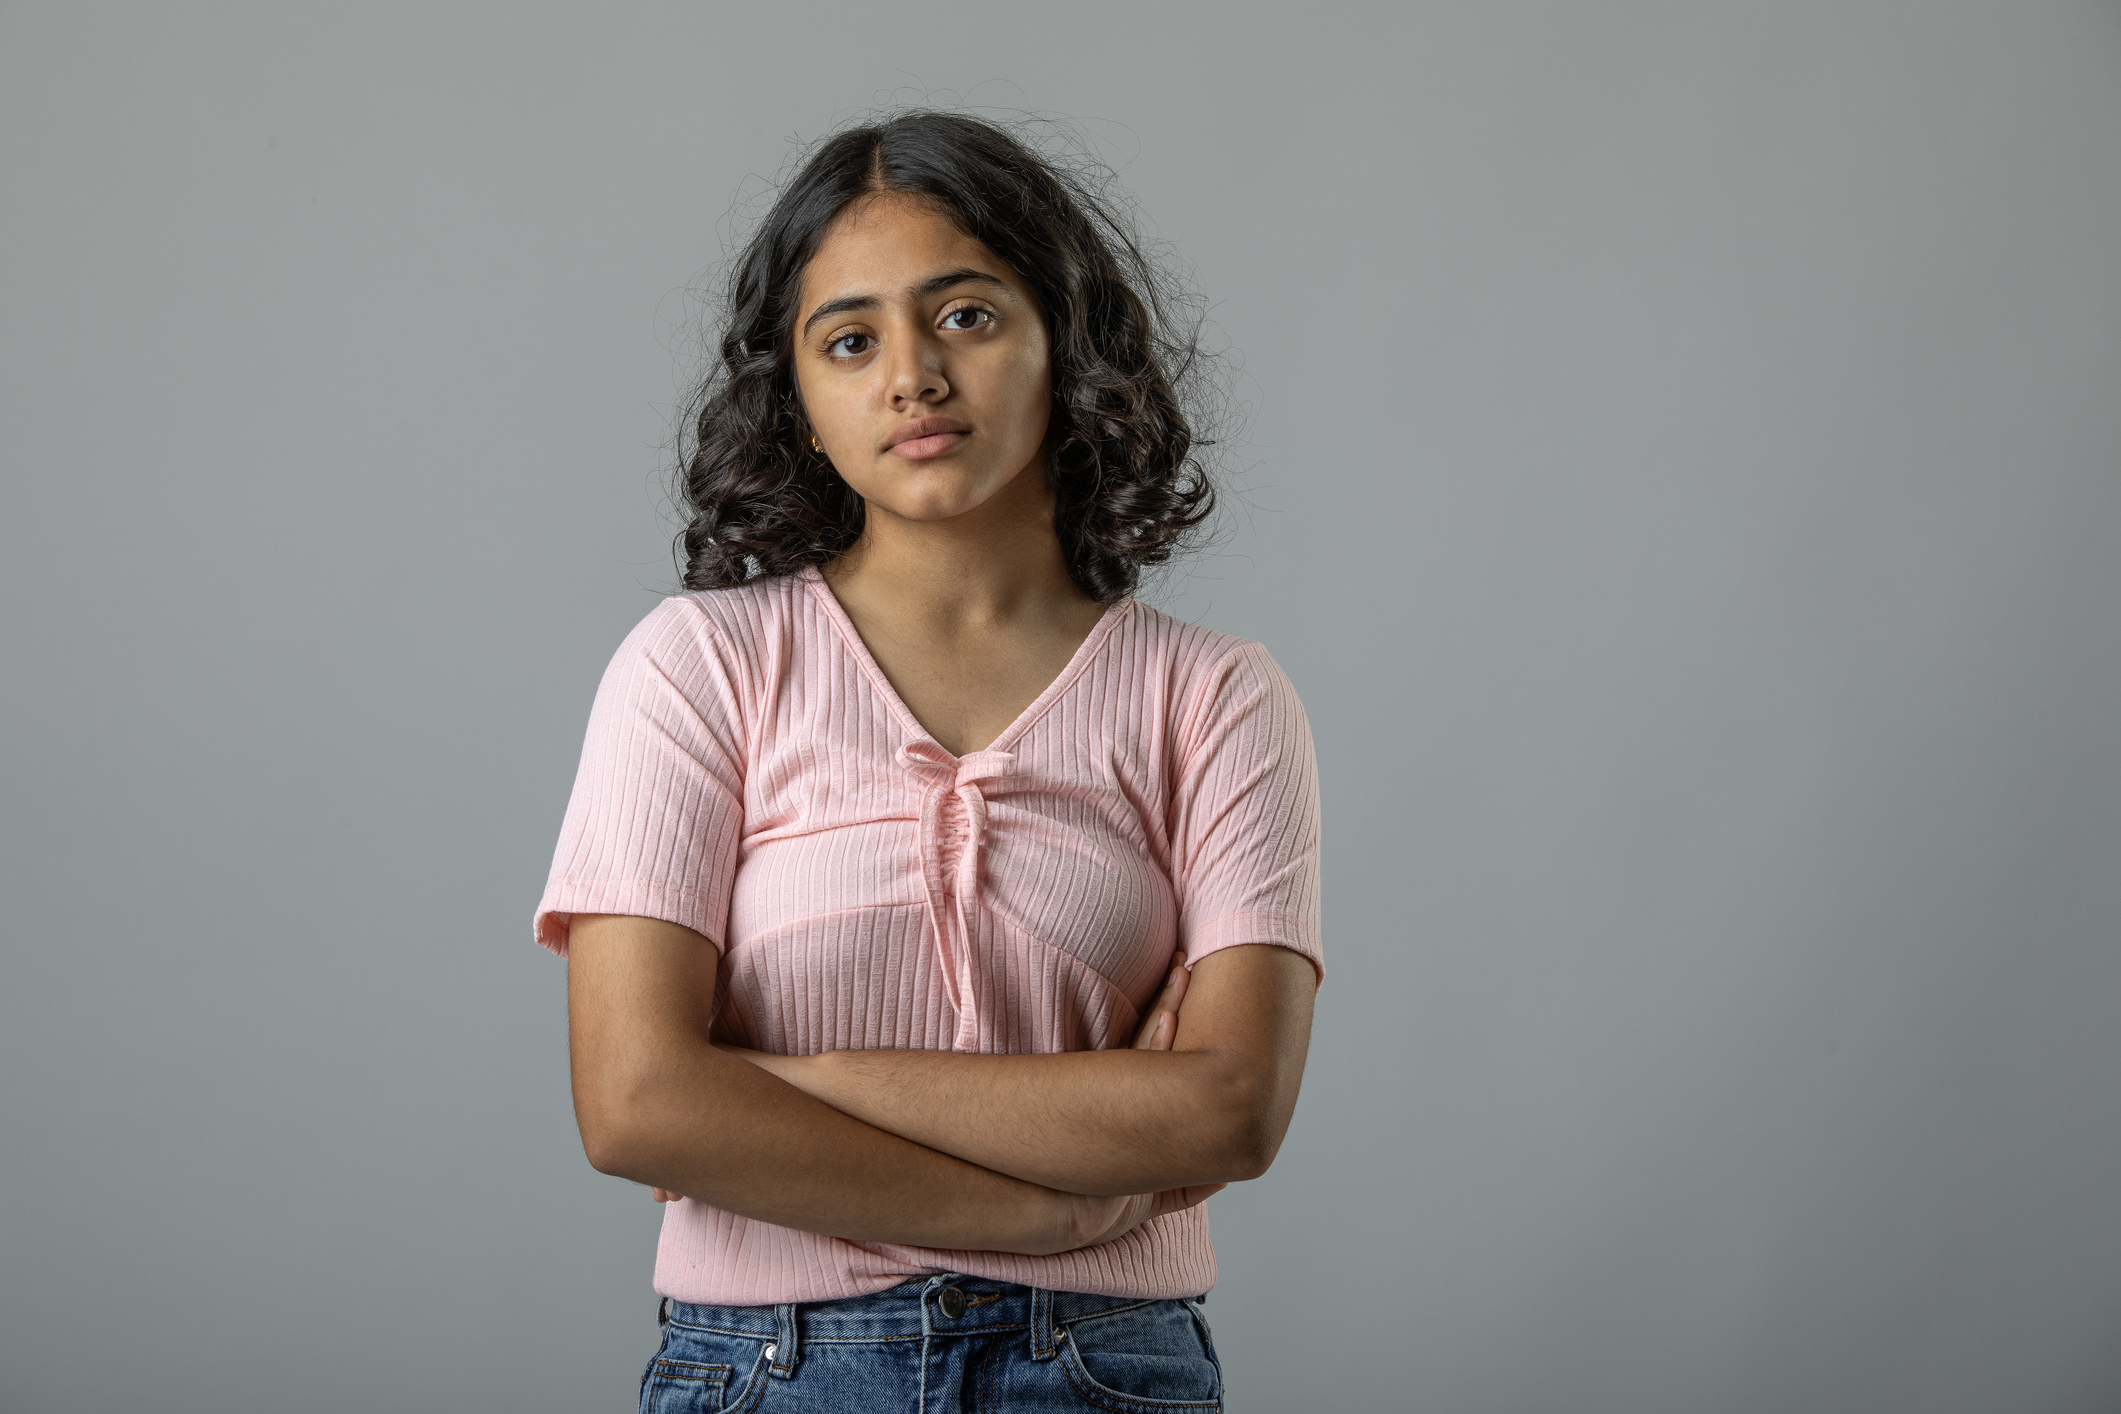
[1245, 826]
[657, 812]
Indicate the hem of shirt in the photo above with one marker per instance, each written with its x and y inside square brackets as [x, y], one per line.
[637, 898]
[846, 1286]
[1263, 928]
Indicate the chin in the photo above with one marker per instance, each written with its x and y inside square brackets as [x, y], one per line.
[945, 497]
[928, 510]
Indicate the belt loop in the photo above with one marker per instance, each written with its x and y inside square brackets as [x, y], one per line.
[662, 1312]
[786, 1352]
[1041, 1323]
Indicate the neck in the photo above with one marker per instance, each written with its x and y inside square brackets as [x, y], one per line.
[996, 564]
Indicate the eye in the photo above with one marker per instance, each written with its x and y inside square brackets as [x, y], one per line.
[849, 346]
[969, 317]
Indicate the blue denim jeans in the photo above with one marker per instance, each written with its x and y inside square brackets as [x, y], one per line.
[933, 1344]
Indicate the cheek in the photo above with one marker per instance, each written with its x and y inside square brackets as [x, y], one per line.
[824, 409]
[1030, 392]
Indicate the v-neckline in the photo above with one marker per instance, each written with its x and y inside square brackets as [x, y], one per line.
[851, 636]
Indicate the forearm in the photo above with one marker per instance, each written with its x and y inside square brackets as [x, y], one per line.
[777, 1155]
[1203, 1102]
[1099, 1122]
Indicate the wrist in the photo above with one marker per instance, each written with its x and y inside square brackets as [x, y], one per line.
[1034, 1221]
[1063, 1223]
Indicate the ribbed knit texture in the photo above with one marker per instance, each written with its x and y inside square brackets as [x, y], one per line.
[750, 773]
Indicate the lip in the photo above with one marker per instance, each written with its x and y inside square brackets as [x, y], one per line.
[926, 437]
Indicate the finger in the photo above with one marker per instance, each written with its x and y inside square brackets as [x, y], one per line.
[1102, 1219]
[664, 1195]
[1166, 1028]
[1174, 987]
[1181, 979]
[1174, 1200]
[1166, 1003]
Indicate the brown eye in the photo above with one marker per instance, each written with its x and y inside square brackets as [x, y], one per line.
[972, 318]
[839, 348]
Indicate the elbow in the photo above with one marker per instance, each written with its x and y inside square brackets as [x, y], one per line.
[1251, 1151]
[1253, 1123]
[607, 1147]
[608, 1110]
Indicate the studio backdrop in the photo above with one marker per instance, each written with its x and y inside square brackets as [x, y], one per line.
[1677, 457]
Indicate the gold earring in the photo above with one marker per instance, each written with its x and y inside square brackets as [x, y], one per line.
[815, 446]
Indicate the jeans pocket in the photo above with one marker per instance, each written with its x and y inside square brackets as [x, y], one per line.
[1148, 1359]
[673, 1386]
[704, 1372]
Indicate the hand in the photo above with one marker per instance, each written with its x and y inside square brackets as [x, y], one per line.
[1095, 1221]
[1159, 1026]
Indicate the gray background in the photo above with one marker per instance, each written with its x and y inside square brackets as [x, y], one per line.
[1683, 473]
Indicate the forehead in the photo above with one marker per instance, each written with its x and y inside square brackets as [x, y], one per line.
[886, 244]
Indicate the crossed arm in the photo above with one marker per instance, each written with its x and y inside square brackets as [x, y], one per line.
[1018, 1153]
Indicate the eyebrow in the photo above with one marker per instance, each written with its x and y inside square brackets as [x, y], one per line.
[932, 286]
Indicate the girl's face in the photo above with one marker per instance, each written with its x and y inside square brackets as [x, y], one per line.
[921, 360]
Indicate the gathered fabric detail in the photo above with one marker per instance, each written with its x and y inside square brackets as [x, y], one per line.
[953, 829]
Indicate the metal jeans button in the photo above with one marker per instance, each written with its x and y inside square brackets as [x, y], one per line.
[952, 1301]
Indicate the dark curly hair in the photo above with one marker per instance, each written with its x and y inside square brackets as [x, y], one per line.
[1130, 488]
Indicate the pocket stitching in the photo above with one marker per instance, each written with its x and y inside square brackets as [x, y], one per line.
[663, 1366]
[662, 1376]
[1071, 1363]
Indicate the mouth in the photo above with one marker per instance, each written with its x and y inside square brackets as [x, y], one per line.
[926, 437]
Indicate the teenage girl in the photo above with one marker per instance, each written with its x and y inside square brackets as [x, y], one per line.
[942, 922]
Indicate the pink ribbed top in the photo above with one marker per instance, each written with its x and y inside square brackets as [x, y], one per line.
[750, 773]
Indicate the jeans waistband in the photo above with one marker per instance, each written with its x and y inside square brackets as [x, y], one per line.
[943, 1305]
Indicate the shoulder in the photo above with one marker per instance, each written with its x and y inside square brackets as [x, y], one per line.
[1178, 650]
[1196, 656]
[717, 622]
[1210, 673]
[706, 643]
[752, 610]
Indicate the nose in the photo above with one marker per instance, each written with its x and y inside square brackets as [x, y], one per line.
[916, 374]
